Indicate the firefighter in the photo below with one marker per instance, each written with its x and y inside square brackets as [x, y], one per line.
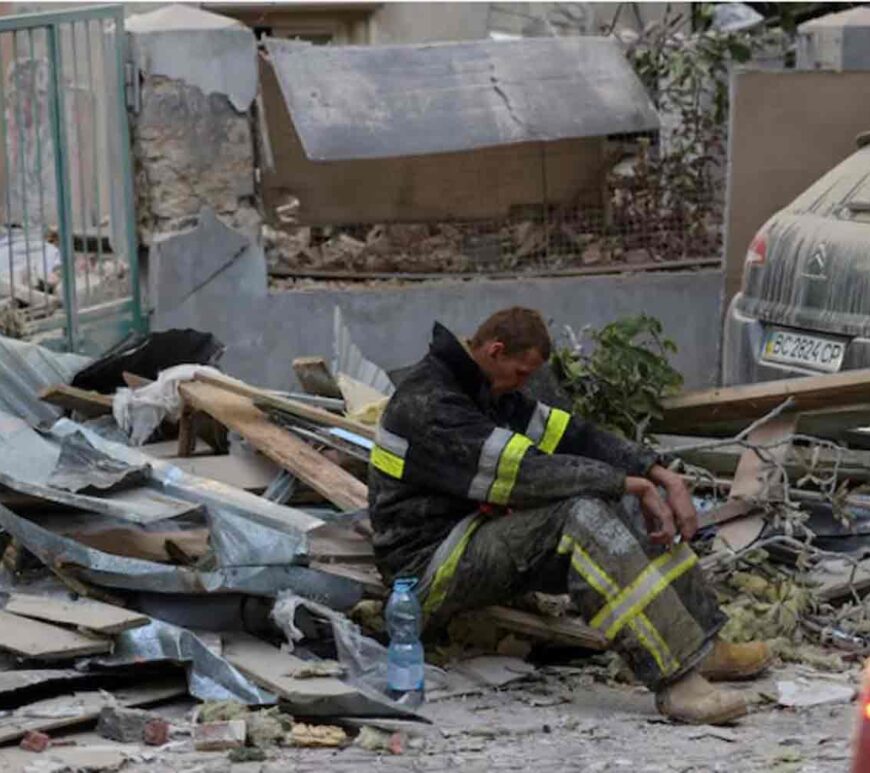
[485, 494]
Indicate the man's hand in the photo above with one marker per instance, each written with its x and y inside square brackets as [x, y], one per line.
[679, 499]
[656, 512]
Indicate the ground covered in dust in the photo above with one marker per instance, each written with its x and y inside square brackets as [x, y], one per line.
[559, 719]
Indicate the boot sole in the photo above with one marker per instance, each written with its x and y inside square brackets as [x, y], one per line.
[724, 675]
[722, 718]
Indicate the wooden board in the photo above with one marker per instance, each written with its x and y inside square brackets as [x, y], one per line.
[751, 401]
[239, 414]
[315, 377]
[252, 473]
[748, 481]
[558, 630]
[91, 615]
[84, 707]
[88, 403]
[32, 639]
[294, 407]
[147, 545]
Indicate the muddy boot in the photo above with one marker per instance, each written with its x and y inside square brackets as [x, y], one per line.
[695, 701]
[730, 662]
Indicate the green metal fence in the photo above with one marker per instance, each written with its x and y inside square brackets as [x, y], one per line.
[68, 251]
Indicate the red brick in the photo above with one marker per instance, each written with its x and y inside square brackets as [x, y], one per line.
[34, 741]
[156, 732]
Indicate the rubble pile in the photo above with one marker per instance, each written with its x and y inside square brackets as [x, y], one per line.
[170, 533]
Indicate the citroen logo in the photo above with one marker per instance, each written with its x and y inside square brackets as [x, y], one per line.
[816, 266]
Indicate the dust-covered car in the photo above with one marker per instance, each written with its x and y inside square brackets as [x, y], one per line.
[804, 306]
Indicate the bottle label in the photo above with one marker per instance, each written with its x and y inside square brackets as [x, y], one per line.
[405, 678]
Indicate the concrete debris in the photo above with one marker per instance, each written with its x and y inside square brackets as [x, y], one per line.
[375, 740]
[495, 670]
[219, 736]
[801, 693]
[132, 726]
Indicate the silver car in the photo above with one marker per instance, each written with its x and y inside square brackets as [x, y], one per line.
[804, 306]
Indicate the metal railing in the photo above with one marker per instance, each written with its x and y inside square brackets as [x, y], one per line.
[68, 250]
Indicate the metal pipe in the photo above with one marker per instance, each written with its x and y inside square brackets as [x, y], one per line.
[34, 100]
[80, 148]
[96, 157]
[64, 213]
[22, 165]
[4, 129]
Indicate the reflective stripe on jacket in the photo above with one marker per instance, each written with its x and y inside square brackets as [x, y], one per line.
[446, 445]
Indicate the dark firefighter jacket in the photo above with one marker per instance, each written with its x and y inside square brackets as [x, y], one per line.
[445, 446]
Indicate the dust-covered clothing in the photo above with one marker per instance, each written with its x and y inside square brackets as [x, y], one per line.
[485, 498]
[652, 604]
[446, 445]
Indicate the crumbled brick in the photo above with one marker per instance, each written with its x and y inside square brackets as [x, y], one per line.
[219, 736]
[35, 741]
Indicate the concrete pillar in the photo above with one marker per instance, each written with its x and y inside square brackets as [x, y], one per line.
[192, 132]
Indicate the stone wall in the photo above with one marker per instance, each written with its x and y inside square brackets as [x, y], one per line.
[191, 151]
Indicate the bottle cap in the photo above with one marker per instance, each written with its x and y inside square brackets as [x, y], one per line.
[405, 583]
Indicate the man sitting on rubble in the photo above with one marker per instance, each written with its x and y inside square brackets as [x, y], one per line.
[485, 494]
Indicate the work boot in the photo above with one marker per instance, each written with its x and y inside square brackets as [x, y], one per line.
[695, 701]
[730, 662]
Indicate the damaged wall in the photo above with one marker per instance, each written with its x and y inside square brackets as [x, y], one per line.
[192, 138]
[222, 290]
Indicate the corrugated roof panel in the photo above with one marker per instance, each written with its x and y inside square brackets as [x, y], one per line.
[386, 101]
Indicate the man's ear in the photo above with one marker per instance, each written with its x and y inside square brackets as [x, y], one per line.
[495, 349]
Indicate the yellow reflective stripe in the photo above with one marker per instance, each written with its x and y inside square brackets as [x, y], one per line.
[652, 641]
[641, 626]
[648, 584]
[508, 468]
[557, 423]
[445, 572]
[387, 462]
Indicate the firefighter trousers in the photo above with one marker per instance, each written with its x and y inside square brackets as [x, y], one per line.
[653, 605]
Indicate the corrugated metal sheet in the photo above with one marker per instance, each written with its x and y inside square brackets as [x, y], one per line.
[26, 369]
[387, 101]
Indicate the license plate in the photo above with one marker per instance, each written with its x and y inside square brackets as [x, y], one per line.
[808, 351]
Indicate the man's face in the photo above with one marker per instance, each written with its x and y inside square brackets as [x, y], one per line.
[506, 372]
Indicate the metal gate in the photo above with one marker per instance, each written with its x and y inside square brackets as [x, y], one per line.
[68, 251]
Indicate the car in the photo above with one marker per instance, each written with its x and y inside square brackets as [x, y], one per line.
[804, 304]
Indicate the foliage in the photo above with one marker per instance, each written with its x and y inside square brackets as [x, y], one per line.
[676, 189]
[620, 384]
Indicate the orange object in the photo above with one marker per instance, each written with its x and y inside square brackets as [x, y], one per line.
[861, 744]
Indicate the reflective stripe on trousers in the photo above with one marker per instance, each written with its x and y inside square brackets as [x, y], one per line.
[442, 566]
[625, 607]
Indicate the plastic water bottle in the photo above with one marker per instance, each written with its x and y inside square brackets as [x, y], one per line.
[405, 654]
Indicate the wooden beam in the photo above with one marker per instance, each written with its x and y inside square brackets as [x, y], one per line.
[89, 403]
[238, 413]
[315, 377]
[752, 401]
[91, 615]
[293, 407]
[32, 639]
[558, 630]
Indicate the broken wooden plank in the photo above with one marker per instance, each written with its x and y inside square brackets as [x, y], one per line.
[245, 471]
[32, 639]
[752, 479]
[94, 616]
[147, 545]
[239, 414]
[751, 401]
[293, 407]
[558, 630]
[88, 403]
[315, 377]
[271, 668]
[83, 707]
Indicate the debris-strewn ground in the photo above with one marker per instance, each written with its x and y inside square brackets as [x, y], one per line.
[558, 720]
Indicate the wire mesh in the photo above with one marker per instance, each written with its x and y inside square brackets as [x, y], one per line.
[644, 217]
